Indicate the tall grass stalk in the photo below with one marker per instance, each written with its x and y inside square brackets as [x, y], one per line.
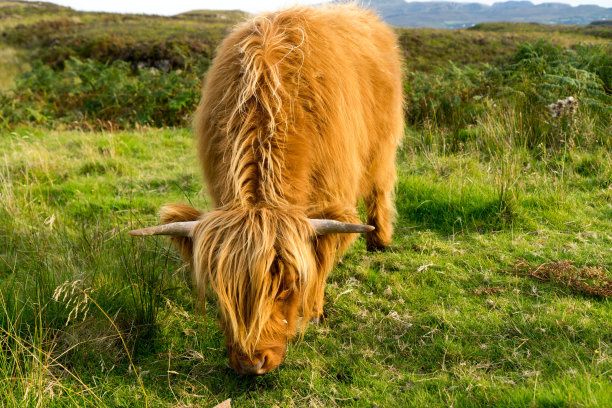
[30, 372]
[144, 265]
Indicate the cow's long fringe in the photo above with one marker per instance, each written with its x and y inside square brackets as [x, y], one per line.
[242, 253]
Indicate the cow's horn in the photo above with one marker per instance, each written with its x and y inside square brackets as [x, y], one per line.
[323, 227]
[177, 229]
[184, 229]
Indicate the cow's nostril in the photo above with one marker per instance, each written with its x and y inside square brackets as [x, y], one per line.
[252, 369]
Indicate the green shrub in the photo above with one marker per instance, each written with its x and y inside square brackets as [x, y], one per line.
[451, 96]
[90, 93]
[455, 98]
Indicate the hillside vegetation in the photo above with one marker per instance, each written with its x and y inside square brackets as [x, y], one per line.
[53, 34]
[494, 293]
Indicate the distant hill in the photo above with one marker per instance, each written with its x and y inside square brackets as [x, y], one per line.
[446, 14]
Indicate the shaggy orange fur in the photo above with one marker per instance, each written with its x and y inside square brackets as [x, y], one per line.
[300, 117]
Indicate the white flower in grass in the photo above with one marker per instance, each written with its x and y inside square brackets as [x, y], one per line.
[563, 107]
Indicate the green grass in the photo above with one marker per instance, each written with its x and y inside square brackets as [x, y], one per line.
[404, 327]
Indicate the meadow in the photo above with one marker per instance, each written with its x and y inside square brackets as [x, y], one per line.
[494, 293]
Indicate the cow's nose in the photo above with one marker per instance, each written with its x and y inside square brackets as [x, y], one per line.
[254, 369]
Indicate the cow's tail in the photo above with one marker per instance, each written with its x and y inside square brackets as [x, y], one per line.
[178, 213]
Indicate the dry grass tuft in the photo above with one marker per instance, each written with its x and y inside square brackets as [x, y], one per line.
[591, 280]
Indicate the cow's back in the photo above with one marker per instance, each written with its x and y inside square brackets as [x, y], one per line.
[299, 107]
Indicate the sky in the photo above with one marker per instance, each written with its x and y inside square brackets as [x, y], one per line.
[172, 7]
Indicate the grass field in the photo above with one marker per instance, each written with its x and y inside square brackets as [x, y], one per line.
[89, 316]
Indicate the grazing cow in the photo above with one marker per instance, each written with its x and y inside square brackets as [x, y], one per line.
[300, 118]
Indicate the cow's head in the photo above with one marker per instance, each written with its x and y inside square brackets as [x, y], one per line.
[261, 264]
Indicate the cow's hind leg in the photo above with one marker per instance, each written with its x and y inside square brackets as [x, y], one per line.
[379, 204]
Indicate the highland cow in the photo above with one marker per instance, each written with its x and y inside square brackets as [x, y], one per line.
[300, 118]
